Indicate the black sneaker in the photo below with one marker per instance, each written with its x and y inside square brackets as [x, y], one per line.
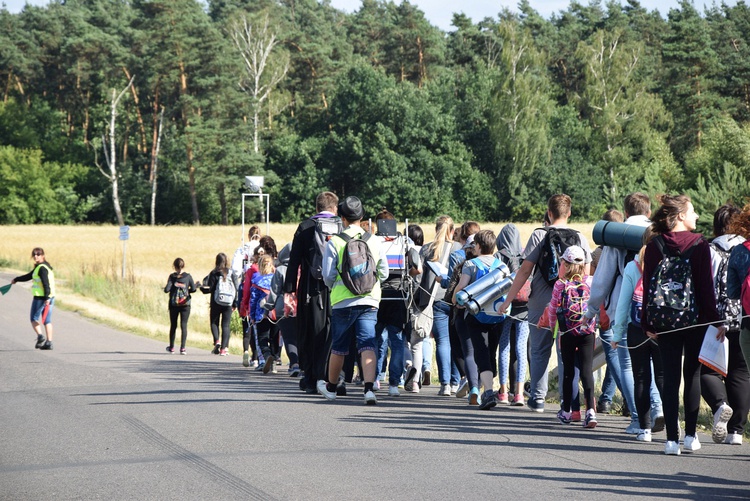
[341, 389]
[216, 349]
[46, 346]
[603, 407]
[40, 340]
[489, 400]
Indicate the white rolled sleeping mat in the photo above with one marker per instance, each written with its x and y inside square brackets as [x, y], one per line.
[488, 299]
[485, 290]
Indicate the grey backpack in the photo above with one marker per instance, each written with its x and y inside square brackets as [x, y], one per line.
[358, 267]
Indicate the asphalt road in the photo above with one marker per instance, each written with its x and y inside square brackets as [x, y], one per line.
[110, 415]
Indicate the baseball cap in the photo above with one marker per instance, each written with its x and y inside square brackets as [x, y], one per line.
[574, 255]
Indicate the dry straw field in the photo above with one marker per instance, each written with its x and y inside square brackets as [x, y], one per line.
[88, 265]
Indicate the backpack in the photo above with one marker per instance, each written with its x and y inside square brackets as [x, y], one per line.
[181, 295]
[570, 313]
[358, 268]
[225, 291]
[325, 228]
[553, 246]
[745, 295]
[488, 314]
[729, 309]
[671, 302]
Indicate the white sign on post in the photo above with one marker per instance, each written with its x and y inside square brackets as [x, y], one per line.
[124, 232]
[124, 235]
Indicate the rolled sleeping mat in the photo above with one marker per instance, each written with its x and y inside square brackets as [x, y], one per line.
[495, 276]
[488, 300]
[620, 235]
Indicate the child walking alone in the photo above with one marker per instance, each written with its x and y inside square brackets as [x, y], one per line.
[570, 296]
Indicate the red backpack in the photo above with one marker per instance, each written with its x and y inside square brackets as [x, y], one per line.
[746, 286]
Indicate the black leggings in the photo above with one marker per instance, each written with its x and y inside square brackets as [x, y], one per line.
[584, 346]
[671, 347]
[457, 352]
[220, 315]
[184, 314]
[288, 328]
[641, 359]
[485, 338]
[733, 389]
[267, 338]
[467, 347]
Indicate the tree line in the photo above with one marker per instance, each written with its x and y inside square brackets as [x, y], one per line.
[170, 103]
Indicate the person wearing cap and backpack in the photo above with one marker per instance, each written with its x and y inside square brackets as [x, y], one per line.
[305, 290]
[678, 303]
[576, 333]
[353, 268]
[542, 251]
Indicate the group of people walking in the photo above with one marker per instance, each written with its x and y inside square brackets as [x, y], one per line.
[343, 295]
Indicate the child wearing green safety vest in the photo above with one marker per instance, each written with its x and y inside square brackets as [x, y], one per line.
[43, 289]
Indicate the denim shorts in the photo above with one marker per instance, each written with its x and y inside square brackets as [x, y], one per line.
[355, 320]
[37, 308]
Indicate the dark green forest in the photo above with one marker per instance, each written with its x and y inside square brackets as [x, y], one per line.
[170, 103]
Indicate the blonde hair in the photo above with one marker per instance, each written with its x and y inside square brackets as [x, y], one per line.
[265, 265]
[573, 269]
[443, 234]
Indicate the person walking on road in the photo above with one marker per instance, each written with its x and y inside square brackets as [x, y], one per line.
[179, 287]
[221, 284]
[43, 289]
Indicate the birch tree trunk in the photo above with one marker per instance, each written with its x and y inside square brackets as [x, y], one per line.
[154, 171]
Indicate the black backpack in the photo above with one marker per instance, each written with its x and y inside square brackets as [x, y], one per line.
[671, 296]
[358, 267]
[325, 228]
[729, 309]
[553, 246]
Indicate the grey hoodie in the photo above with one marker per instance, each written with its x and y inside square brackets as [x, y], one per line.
[275, 298]
[725, 243]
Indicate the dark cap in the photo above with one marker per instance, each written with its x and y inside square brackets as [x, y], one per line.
[351, 209]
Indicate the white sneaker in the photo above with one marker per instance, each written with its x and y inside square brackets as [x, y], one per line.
[445, 390]
[733, 439]
[376, 385]
[721, 418]
[633, 428]
[692, 443]
[370, 398]
[393, 391]
[672, 448]
[463, 388]
[330, 395]
[644, 436]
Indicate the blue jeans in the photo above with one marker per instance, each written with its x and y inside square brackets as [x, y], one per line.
[391, 335]
[426, 355]
[612, 375]
[356, 321]
[447, 370]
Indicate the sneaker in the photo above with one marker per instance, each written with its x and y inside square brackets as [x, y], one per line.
[733, 439]
[393, 391]
[489, 400]
[563, 417]
[269, 364]
[426, 376]
[341, 389]
[40, 340]
[502, 398]
[217, 349]
[575, 416]
[254, 364]
[323, 390]
[415, 388]
[590, 420]
[672, 448]
[444, 391]
[411, 374]
[170, 349]
[381, 377]
[633, 428]
[603, 406]
[376, 385]
[463, 388]
[246, 359]
[294, 371]
[692, 443]
[474, 396]
[223, 352]
[46, 346]
[536, 405]
[657, 421]
[183, 351]
[454, 389]
[644, 436]
[721, 418]
[517, 401]
[370, 398]
[527, 389]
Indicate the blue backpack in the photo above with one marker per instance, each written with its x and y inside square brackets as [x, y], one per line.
[488, 314]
